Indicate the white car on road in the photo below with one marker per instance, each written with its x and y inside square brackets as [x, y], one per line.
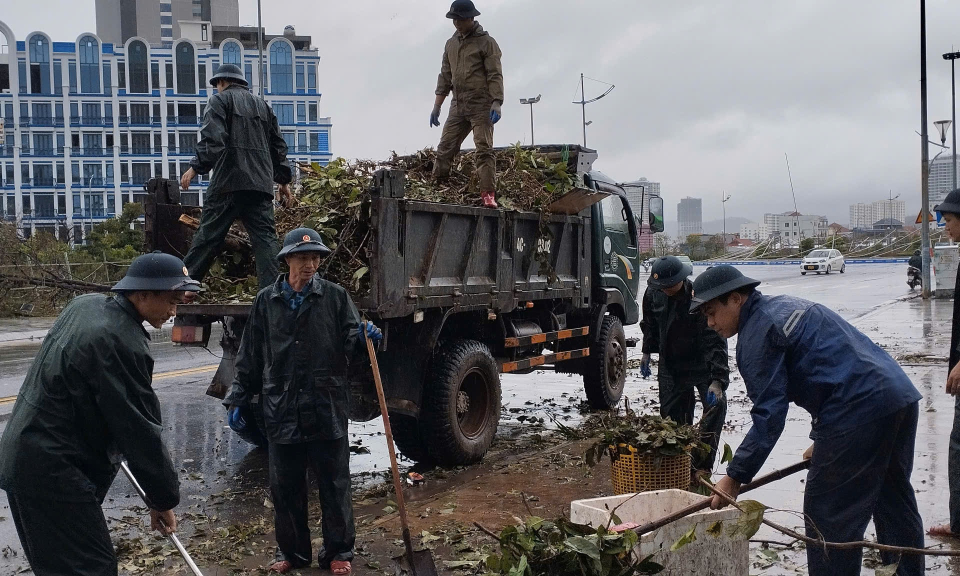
[823, 260]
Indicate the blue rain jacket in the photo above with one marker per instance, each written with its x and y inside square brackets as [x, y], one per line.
[793, 350]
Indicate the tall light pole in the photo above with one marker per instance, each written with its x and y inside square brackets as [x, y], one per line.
[260, 48]
[924, 158]
[951, 56]
[724, 197]
[890, 205]
[583, 103]
[531, 102]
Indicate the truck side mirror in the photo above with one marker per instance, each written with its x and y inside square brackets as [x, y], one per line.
[656, 214]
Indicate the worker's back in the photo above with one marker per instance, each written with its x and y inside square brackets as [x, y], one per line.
[240, 143]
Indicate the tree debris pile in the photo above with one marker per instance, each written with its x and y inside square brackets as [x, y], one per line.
[560, 548]
[335, 201]
[648, 434]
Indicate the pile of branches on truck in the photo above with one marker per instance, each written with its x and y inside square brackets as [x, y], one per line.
[335, 201]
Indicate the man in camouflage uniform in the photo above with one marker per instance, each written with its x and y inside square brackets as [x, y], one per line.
[471, 69]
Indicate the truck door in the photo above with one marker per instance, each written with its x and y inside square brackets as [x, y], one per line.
[619, 247]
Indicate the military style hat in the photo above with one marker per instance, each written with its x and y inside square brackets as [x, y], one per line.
[668, 271]
[302, 240]
[950, 204]
[157, 272]
[229, 72]
[462, 10]
[717, 281]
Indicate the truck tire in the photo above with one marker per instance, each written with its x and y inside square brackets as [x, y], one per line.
[461, 407]
[408, 437]
[606, 369]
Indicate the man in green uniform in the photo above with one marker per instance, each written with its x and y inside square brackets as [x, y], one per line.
[693, 357]
[303, 334]
[471, 69]
[240, 143]
[86, 404]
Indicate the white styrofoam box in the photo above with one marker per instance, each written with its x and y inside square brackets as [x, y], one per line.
[945, 262]
[708, 555]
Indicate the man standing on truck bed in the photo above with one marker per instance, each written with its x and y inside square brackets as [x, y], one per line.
[240, 142]
[303, 334]
[86, 404]
[692, 355]
[471, 69]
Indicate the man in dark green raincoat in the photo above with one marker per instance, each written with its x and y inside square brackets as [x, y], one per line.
[86, 405]
[302, 335]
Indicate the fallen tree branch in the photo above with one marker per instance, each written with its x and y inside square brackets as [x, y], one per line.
[487, 531]
[834, 545]
[55, 282]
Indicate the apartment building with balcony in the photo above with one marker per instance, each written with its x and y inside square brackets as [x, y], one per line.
[85, 124]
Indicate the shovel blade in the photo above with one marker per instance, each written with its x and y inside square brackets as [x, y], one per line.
[420, 564]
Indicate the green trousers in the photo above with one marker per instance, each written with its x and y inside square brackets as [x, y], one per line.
[220, 211]
[678, 401]
[455, 131]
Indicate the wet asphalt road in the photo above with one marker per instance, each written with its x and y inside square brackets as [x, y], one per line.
[211, 456]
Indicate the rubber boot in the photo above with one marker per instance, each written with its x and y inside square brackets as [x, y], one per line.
[488, 200]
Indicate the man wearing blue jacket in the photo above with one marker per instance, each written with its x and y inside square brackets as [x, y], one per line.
[864, 410]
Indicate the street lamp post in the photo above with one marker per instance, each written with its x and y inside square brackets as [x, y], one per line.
[952, 56]
[890, 205]
[583, 103]
[924, 158]
[260, 70]
[724, 197]
[531, 102]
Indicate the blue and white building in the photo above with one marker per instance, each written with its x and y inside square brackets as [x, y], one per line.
[84, 124]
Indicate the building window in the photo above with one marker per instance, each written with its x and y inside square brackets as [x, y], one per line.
[311, 76]
[72, 75]
[248, 73]
[202, 75]
[137, 57]
[284, 113]
[155, 75]
[22, 71]
[313, 111]
[204, 33]
[301, 142]
[39, 65]
[301, 112]
[281, 68]
[300, 81]
[57, 78]
[107, 79]
[290, 138]
[89, 50]
[314, 142]
[121, 75]
[186, 69]
[232, 53]
[169, 68]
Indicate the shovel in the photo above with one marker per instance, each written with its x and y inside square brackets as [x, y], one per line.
[173, 537]
[420, 562]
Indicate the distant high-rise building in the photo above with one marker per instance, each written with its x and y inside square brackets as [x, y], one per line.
[863, 216]
[756, 231]
[689, 217]
[159, 22]
[941, 178]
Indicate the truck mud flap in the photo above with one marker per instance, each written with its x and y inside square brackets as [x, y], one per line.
[528, 363]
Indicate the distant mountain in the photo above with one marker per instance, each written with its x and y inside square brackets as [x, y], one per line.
[713, 226]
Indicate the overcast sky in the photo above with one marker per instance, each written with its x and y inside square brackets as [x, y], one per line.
[709, 95]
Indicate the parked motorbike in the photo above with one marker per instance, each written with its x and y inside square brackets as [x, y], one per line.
[913, 277]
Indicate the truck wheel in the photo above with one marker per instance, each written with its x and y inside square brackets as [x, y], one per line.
[461, 407]
[408, 436]
[606, 370]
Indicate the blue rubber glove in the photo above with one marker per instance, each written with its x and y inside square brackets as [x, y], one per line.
[645, 366]
[495, 113]
[435, 117]
[714, 394]
[236, 418]
[371, 330]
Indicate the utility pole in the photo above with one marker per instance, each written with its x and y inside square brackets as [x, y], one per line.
[724, 197]
[583, 103]
[260, 49]
[924, 158]
[952, 56]
[531, 102]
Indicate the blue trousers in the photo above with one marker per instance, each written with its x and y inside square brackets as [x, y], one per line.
[859, 474]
